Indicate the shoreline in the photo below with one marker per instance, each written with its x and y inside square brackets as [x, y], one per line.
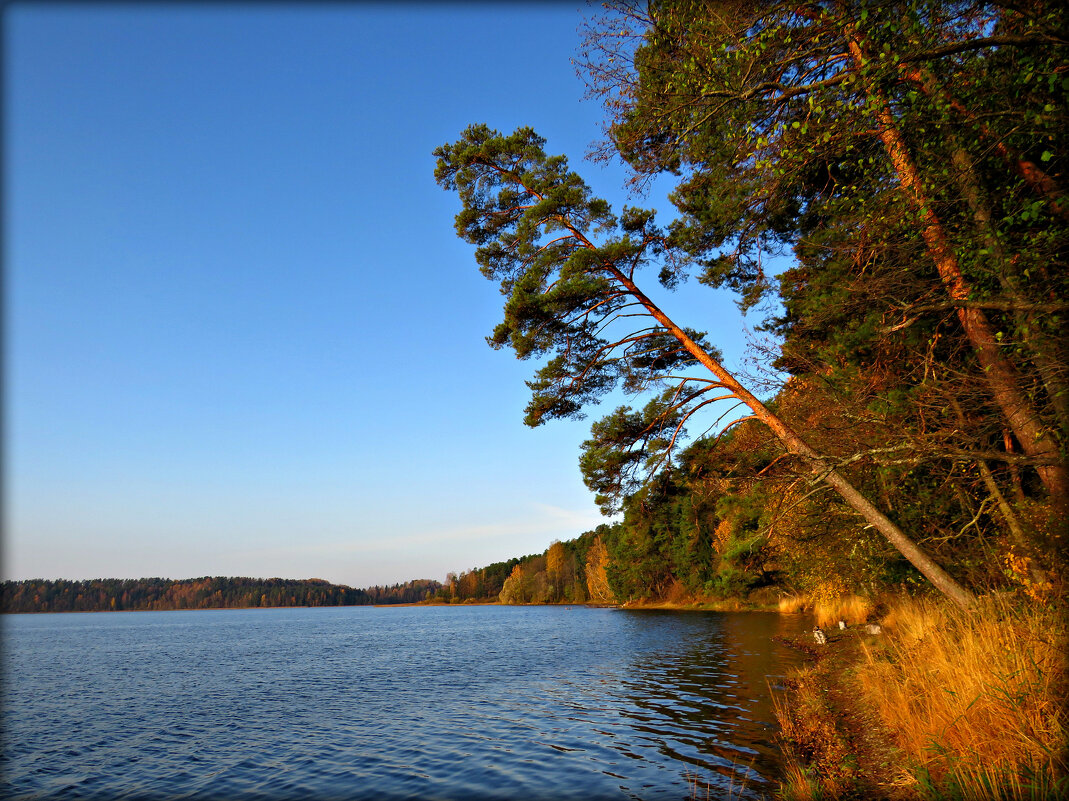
[734, 604]
[987, 683]
[934, 703]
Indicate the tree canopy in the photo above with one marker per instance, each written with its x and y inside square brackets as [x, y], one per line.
[908, 158]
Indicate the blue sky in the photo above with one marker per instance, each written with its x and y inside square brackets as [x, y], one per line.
[241, 335]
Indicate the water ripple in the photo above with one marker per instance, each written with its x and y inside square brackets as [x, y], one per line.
[411, 703]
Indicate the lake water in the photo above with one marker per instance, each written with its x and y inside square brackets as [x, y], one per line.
[485, 702]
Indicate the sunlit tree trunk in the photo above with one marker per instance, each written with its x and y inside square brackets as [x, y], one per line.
[1000, 374]
[817, 464]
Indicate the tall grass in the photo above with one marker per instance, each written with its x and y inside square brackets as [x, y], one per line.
[852, 608]
[790, 604]
[977, 699]
[828, 611]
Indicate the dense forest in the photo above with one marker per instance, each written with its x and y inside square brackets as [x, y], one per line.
[102, 595]
[906, 416]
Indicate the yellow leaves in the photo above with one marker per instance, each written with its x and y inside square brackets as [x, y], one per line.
[514, 589]
[555, 557]
[597, 580]
[829, 591]
[724, 529]
[1023, 571]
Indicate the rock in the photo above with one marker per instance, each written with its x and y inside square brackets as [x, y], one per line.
[842, 625]
[873, 628]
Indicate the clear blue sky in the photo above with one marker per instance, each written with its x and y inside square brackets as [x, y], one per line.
[241, 336]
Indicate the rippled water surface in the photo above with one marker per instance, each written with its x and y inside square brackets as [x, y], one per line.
[413, 702]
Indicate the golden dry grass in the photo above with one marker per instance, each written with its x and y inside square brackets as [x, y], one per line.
[975, 699]
[854, 609]
[790, 604]
[829, 610]
[797, 784]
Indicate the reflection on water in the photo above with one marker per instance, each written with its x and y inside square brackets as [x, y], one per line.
[473, 702]
[707, 704]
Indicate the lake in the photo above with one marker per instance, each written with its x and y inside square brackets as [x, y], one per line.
[476, 702]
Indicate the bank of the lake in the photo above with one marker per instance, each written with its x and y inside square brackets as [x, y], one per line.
[932, 703]
[913, 699]
[935, 703]
[724, 605]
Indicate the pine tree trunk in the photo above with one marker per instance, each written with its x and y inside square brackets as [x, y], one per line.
[1002, 378]
[794, 444]
[1045, 351]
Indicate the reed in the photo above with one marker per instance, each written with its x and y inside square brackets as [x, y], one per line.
[789, 604]
[829, 609]
[704, 788]
[854, 609]
[976, 699]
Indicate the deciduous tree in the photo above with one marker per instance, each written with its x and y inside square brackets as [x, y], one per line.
[597, 579]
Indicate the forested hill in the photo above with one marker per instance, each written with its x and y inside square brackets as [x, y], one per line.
[99, 595]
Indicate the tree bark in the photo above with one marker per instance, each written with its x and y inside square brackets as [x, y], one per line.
[1044, 349]
[1001, 376]
[817, 464]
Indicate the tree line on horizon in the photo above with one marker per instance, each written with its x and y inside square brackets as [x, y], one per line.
[908, 420]
[567, 572]
[103, 595]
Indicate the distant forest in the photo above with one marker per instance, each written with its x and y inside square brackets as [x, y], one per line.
[575, 571]
[102, 595]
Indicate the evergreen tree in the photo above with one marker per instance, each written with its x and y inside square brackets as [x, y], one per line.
[568, 267]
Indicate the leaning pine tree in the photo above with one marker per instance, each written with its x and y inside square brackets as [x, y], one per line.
[568, 267]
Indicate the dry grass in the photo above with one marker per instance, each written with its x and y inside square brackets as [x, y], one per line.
[977, 700]
[790, 604]
[797, 784]
[852, 608]
[818, 762]
[828, 611]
